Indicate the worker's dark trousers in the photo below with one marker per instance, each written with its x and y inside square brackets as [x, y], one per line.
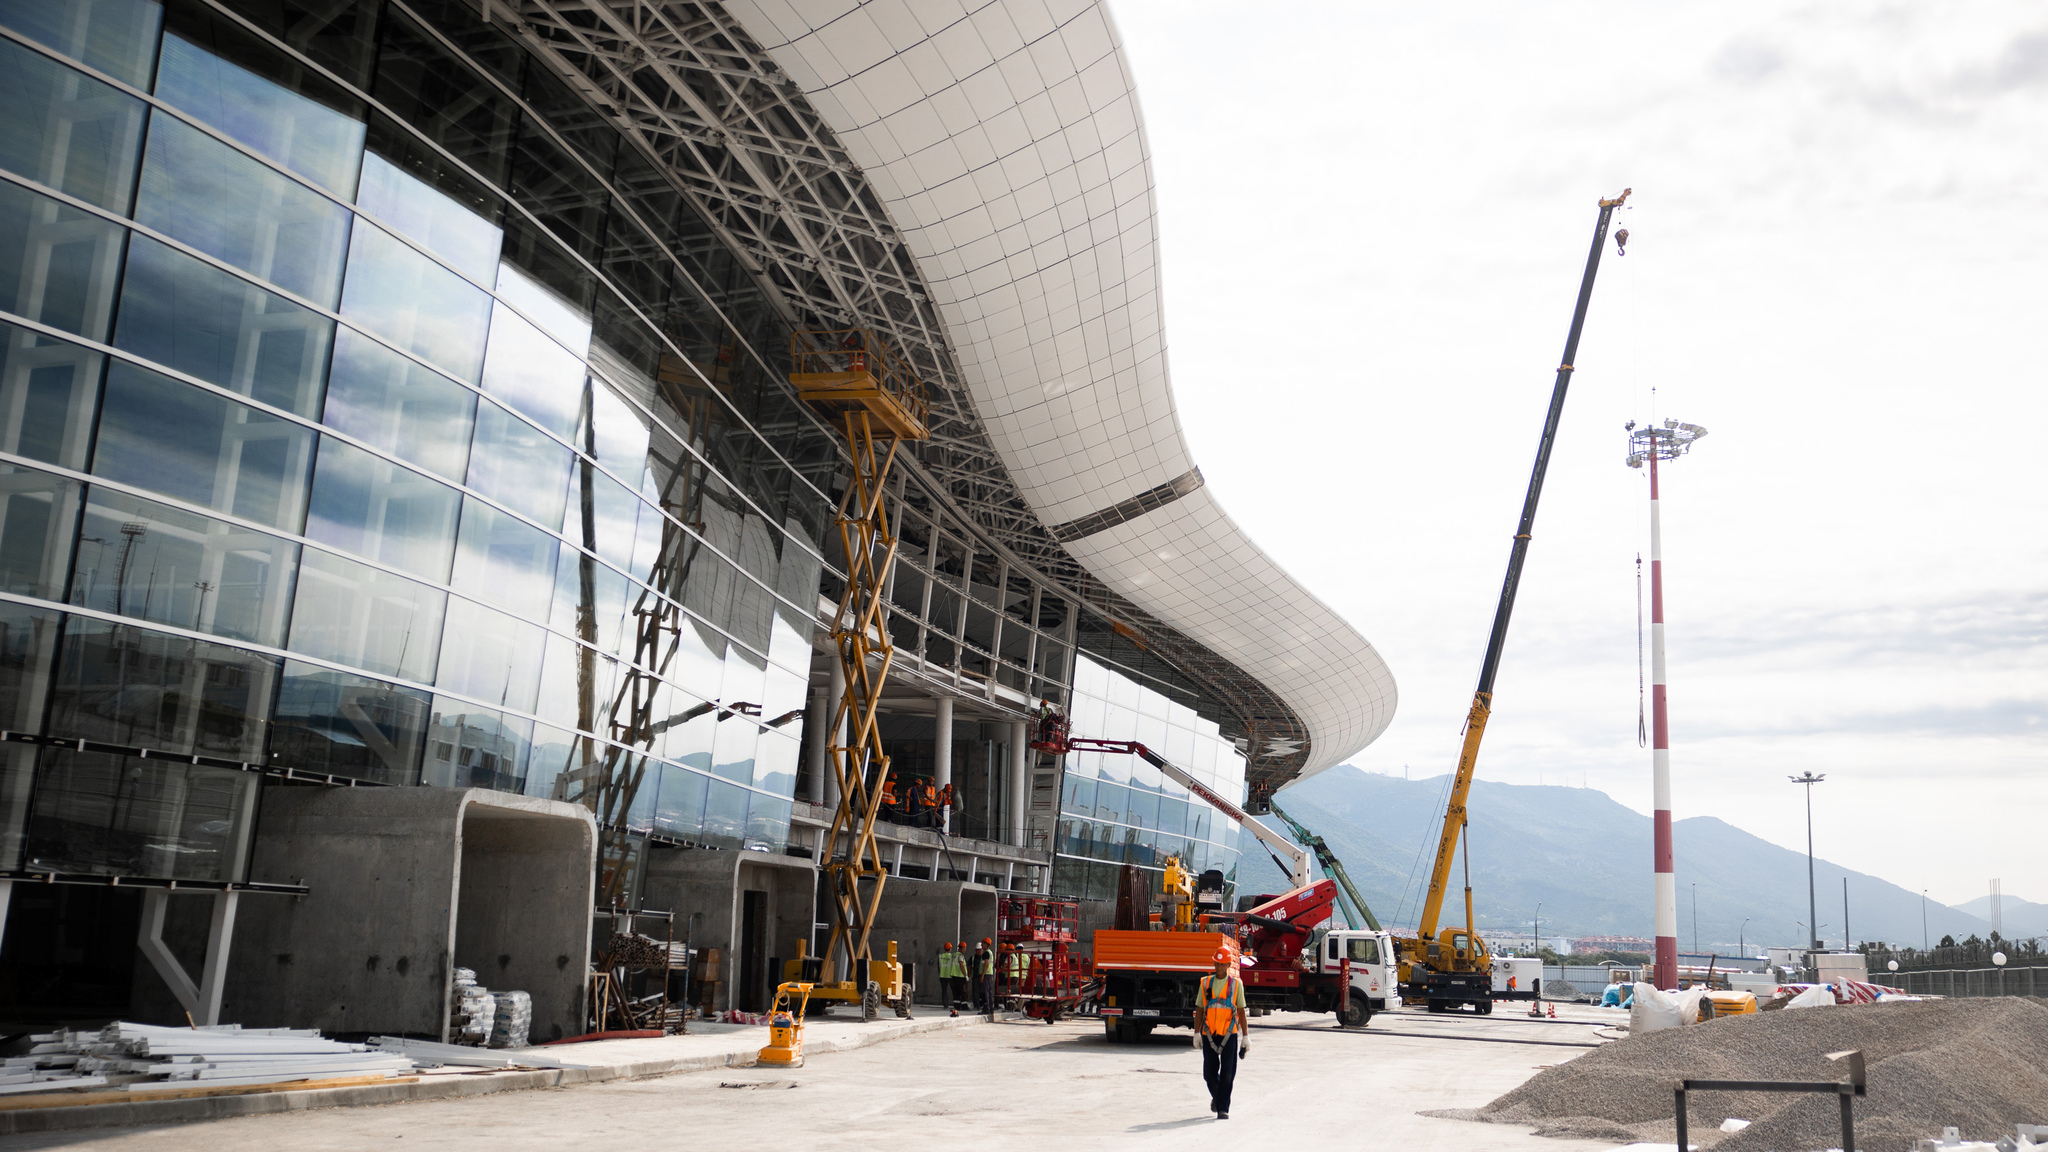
[1219, 1069]
[988, 994]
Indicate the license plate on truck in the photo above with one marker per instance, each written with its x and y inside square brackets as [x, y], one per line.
[1144, 1011]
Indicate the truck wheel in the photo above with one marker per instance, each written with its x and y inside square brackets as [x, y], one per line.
[1355, 1014]
[1483, 1007]
[1111, 1032]
[1439, 1006]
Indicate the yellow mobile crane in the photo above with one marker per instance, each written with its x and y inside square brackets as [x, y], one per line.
[1450, 968]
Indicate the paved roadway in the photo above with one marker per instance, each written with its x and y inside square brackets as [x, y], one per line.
[992, 1088]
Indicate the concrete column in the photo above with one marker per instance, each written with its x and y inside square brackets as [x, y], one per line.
[942, 756]
[816, 715]
[1020, 780]
[834, 694]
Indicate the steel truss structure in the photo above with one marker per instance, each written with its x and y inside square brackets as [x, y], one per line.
[735, 135]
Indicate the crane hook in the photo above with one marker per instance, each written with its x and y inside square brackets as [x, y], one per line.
[1621, 242]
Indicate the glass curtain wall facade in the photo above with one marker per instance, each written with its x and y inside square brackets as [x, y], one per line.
[1117, 809]
[372, 412]
[369, 412]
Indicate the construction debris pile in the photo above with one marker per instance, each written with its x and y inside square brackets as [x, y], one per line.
[1980, 1066]
[143, 1058]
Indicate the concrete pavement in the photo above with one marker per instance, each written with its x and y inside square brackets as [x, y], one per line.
[992, 1087]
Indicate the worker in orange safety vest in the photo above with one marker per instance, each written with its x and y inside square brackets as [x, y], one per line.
[1223, 1024]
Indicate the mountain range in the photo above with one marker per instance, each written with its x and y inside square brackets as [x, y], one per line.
[1586, 859]
[2020, 918]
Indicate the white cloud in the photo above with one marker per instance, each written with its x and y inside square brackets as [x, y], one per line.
[1373, 220]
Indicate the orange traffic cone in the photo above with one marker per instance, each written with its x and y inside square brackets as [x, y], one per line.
[1553, 1011]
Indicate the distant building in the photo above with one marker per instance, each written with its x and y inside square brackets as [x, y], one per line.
[1612, 944]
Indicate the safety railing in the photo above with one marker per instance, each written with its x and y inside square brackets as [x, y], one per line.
[855, 350]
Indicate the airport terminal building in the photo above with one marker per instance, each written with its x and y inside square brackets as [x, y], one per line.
[404, 490]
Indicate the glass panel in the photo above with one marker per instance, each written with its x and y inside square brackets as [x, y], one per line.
[490, 656]
[419, 306]
[775, 761]
[429, 89]
[512, 462]
[213, 69]
[38, 513]
[192, 445]
[128, 685]
[620, 438]
[581, 584]
[504, 560]
[732, 753]
[569, 667]
[68, 131]
[679, 806]
[567, 322]
[552, 753]
[339, 34]
[388, 513]
[365, 617]
[48, 391]
[199, 190]
[436, 221]
[343, 725]
[179, 568]
[400, 406]
[468, 747]
[615, 514]
[533, 374]
[189, 315]
[114, 815]
[58, 266]
[725, 814]
[28, 637]
[767, 822]
[117, 37]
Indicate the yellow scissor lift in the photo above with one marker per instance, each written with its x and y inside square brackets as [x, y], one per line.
[851, 377]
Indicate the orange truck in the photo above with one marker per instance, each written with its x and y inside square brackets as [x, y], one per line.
[1153, 979]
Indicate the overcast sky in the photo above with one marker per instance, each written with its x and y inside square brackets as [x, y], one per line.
[1374, 219]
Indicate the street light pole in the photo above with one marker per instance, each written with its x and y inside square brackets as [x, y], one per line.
[1923, 920]
[1742, 939]
[1812, 896]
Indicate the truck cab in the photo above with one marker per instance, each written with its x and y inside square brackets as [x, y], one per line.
[1371, 956]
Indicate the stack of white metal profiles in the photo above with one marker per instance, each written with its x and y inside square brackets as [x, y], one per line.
[147, 1058]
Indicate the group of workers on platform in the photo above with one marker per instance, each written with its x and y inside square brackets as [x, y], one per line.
[920, 804]
[971, 980]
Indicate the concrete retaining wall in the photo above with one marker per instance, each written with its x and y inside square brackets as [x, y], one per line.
[407, 884]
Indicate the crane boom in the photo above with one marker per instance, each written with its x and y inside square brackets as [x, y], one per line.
[1356, 910]
[1298, 859]
[1482, 697]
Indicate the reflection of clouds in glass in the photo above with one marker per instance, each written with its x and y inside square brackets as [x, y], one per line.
[415, 303]
[534, 374]
[431, 218]
[504, 560]
[369, 506]
[200, 191]
[302, 134]
[559, 318]
[512, 462]
[402, 407]
[362, 616]
[621, 435]
[488, 655]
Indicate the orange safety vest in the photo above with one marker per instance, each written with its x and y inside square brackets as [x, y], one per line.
[1219, 1012]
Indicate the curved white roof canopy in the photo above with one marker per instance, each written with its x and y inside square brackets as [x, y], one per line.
[1005, 141]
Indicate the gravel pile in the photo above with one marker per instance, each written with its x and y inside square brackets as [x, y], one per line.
[1979, 1065]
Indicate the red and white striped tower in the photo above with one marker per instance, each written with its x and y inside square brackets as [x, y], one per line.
[1652, 444]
